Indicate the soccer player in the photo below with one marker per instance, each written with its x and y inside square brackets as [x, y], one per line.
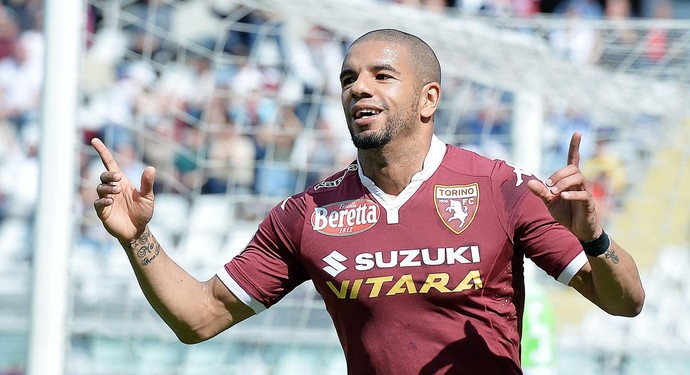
[416, 247]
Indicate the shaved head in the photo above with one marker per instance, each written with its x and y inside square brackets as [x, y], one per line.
[421, 57]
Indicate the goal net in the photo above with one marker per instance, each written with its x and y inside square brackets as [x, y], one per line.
[236, 103]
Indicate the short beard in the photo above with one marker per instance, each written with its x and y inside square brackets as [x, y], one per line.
[393, 127]
[374, 141]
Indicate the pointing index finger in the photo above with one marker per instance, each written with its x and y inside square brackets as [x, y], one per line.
[106, 157]
[574, 150]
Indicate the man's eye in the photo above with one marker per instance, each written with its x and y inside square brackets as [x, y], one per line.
[382, 76]
[347, 81]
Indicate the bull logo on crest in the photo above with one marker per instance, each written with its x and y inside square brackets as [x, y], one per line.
[457, 205]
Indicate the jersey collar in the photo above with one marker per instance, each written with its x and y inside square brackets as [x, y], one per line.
[432, 161]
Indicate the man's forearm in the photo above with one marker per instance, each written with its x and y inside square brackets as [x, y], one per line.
[616, 282]
[175, 295]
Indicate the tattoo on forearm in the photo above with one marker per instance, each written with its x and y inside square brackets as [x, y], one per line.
[146, 248]
[611, 254]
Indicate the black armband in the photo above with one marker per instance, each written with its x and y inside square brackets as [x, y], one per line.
[598, 246]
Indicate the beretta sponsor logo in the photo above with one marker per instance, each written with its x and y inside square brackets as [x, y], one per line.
[345, 218]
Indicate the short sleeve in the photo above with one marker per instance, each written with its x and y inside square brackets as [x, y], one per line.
[535, 232]
[269, 268]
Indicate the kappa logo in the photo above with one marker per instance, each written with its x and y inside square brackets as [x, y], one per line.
[345, 218]
[519, 172]
[457, 205]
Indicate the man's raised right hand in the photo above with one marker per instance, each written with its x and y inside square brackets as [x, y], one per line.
[124, 210]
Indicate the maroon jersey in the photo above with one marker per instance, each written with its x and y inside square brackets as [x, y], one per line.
[428, 282]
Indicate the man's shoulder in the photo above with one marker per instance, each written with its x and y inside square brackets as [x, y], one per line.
[498, 171]
[334, 188]
[336, 182]
[469, 162]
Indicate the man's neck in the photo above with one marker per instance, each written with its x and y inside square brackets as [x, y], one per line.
[391, 167]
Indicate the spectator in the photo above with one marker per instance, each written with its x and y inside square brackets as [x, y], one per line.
[21, 79]
[204, 81]
[241, 41]
[607, 175]
[9, 31]
[620, 42]
[490, 121]
[497, 8]
[314, 153]
[19, 173]
[190, 157]
[576, 41]
[314, 60]
[657, 44]
[231, 155]
[274, 175]
[559, 121]
[664, 45]
[9, 146]
[585, 9]
[26, 12]
[153, 19]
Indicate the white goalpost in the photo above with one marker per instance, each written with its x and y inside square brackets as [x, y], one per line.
[55, 214]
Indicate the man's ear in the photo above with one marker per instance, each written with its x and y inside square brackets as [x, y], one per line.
[430, 95]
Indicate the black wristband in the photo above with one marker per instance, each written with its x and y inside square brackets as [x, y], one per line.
[598, 246]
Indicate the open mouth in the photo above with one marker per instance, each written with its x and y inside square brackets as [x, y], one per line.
[365, 113]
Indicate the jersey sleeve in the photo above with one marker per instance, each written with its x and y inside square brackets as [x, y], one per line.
[268, 268]
[534, 231]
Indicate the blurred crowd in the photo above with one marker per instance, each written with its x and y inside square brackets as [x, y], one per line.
[252, 107]
[21, 76]
[583, 43]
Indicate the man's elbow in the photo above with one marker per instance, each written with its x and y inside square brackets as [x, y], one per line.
[190, 338]
[191, 335]
[637, 305]
[631, 307]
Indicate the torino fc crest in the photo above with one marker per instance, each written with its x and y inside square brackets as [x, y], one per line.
[457, 205]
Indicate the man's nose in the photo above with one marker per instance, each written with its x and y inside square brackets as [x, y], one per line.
[361, 87]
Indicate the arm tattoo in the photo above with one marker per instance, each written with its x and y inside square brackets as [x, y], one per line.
[611, 254]
[146, 247]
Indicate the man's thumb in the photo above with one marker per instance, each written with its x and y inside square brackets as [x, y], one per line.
[539, 189]
[147, 179]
